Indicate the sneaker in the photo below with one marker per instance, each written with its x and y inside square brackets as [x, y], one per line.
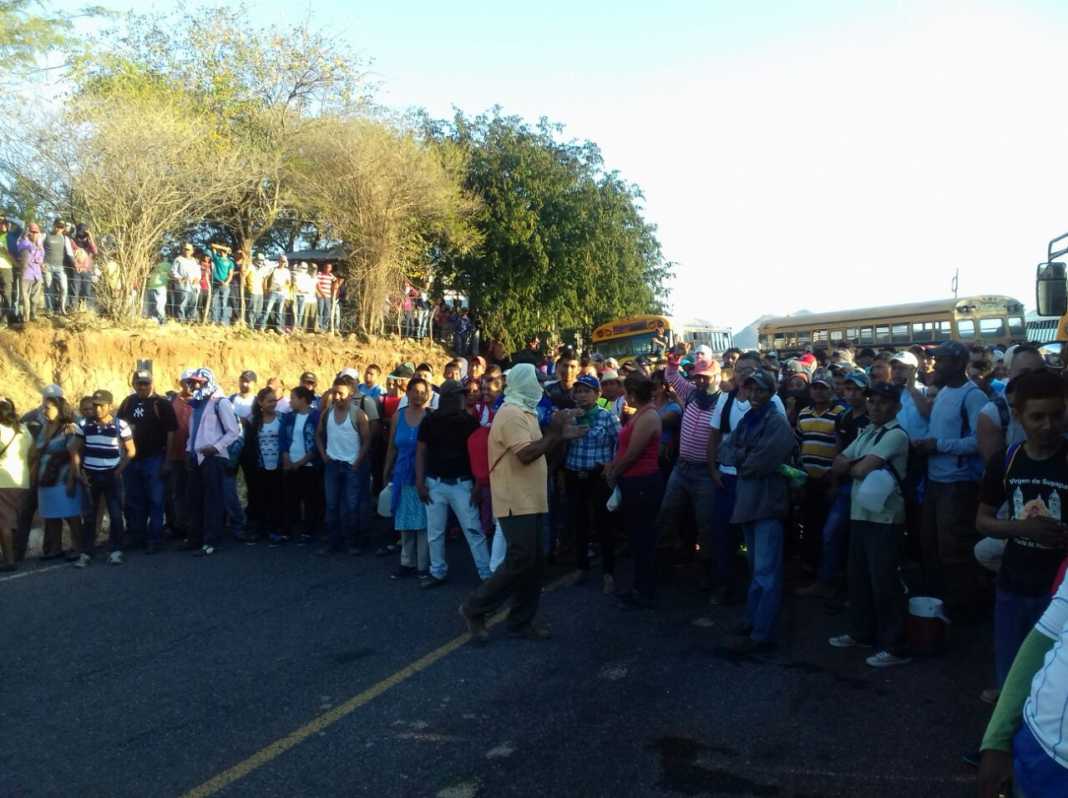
[608, 584]
[476, 626]
[82, 561]
[115, 558]
[431, 582]
[847, 641]
[204, 551]
[884, 659]
[402, 572]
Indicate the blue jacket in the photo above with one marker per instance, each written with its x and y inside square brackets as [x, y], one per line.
[285, 435]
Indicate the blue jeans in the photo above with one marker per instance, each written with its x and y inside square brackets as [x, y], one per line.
[690, 486]
[144, 498]
[107, 485]
[81, 288]
[55, 280]
[763, 539]
[274, 300]
[254, 310]
[641, 498]
[235, 514]
[324, 310]
[455, 495]
[220, 303]
[186, 299]
[157, 304]
[299, 310]
[724, 533]
[1035, 773]
[1014, 618]
[834, 535]
[344, 489]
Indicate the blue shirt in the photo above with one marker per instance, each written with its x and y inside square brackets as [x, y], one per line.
[957, 458]
[598, 446]
[375, 391]
[910, 419]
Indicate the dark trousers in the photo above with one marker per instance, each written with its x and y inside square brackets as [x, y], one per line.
[689, 493]
[815, 506]
[144, 499]
[303, 490]
[174, 504]
[25, 521]
[641, 500]
[204, 500]
[519, 576]
[106, 485]
[948, 539]
[266, 500]
[1015, 615]
[725, 535]
[7, 295]
[587, 495]
[876, 597]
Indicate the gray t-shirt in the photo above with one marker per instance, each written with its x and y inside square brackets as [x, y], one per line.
[55, 247]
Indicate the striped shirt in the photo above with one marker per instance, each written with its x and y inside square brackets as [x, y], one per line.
[326, 285]
[103, 443]
[819, 443]
[693, 436]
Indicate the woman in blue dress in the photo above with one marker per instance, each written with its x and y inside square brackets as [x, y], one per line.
[56, 472]
[409, 512]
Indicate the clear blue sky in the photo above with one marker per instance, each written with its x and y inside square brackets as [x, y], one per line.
[821, 155]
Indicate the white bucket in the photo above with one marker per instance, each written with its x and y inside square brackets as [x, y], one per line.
[925, 626]
[927, 607]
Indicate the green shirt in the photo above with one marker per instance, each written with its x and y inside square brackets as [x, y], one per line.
[160, 275]
[221, 267]
[890, 443]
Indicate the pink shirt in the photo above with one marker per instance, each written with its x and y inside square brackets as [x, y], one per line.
[693, 440]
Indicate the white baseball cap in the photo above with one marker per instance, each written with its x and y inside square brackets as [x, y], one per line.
[907, 358]
[52, 391]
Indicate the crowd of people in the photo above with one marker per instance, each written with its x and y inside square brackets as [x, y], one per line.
[941, 472]
[56, 272]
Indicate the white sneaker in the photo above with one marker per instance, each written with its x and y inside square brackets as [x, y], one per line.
[884, 659]
[846, 641]
[82, 561]
[115, 558]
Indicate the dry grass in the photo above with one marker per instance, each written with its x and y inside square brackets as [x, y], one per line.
[82, 354]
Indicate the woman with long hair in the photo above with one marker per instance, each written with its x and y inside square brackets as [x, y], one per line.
[264, 466]
[57, 468]
[16, 444]
[636, 471]
[409, 512]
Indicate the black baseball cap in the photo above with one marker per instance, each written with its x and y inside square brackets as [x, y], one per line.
[142, 375]
[886, 390]
[307, 376]
[248, 376]
[102, 398]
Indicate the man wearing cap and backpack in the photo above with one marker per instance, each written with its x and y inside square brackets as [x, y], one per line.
[877, 518]
[954, 467]
[153, 422]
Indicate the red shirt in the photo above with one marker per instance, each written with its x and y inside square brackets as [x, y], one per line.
[648, 461]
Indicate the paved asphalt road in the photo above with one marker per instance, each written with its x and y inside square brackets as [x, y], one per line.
[153, 678]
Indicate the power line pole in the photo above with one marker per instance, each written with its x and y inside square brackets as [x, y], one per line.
[956, 282]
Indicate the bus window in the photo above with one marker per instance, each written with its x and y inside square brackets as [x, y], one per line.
[992, 328]
[921, 333]
[882, 334]
[966, 329]
[836, 335]
[865, 336]
[900, 333]
[819, 336]
[945, 329]
[1016, 327]
[852, 334]
[804, 337]
[780, 341]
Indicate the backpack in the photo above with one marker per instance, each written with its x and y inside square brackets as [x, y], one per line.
[233, 451]
[966, 424]
[1002, 406]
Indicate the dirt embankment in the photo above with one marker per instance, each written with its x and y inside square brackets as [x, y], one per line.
[83, 357]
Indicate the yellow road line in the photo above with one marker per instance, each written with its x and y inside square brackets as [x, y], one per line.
[42, 570]
[329, 718]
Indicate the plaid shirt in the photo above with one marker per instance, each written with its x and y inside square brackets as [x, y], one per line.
[598, 446]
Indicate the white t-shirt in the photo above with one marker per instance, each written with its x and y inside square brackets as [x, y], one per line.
[1014, 434]
[1046, 709]
[305, 283]
[342, 439]
[186, 270]
[297, 449]
[739, 408]
[280, 280]
[269, 443]
[243, 405]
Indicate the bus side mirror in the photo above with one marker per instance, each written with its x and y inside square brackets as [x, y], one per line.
[1051, 289]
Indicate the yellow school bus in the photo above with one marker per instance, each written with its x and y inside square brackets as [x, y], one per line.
[632, 336]
[988, 319]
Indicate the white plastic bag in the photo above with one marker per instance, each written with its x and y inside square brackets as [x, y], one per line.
[385, 501]
[876, 488]
[614, 500]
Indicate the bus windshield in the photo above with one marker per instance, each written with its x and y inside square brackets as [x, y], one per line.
[627, 346]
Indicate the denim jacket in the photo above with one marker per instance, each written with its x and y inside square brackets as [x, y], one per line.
[285, 435]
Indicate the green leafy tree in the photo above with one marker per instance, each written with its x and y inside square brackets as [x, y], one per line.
[564, 244]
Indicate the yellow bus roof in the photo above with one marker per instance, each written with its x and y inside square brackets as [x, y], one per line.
[859, 315]
[629, 326]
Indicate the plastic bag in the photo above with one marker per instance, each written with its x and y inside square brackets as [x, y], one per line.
[614, 500]
[875, 490]
[385, 501]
